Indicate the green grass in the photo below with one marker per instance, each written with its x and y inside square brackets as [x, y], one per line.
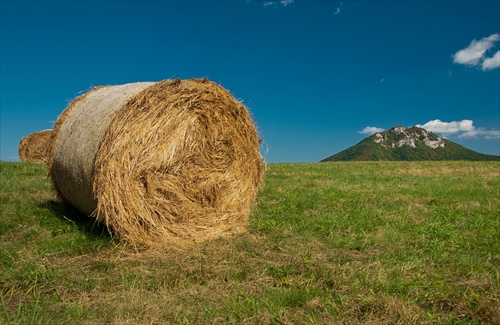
[343, 243]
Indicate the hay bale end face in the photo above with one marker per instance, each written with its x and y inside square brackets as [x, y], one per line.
[173, 161]
[35, 147]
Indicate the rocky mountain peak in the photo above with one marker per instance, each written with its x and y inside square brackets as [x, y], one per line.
[407, 144]
[400, 136]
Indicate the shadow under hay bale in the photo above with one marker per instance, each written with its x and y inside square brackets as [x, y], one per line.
[35, 147]
[175, 161]
[73, 218]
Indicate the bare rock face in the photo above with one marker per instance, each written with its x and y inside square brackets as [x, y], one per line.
[400, 136]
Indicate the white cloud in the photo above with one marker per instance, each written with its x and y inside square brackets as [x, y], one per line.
[448, 127]
[491, 63]
[463, 129]
[474, 54]
[270, 3]
[371, 130]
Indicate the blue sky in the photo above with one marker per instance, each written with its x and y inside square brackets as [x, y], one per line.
[317, 76]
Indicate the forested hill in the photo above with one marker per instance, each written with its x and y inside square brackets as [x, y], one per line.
[407, 144]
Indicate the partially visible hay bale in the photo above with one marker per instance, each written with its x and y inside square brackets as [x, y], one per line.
[174, 161]
[35, 147]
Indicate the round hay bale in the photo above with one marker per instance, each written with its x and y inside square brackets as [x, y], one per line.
[35, 147]
[173, 161]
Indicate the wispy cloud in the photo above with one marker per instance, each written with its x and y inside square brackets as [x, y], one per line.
[462, 129]
[371, 130]
[339, 8]
[284, 3]
[475, 53]
[487, 134]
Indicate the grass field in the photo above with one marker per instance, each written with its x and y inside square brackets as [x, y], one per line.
[328, 243]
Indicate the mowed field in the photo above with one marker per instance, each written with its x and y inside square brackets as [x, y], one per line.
[328, 243]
